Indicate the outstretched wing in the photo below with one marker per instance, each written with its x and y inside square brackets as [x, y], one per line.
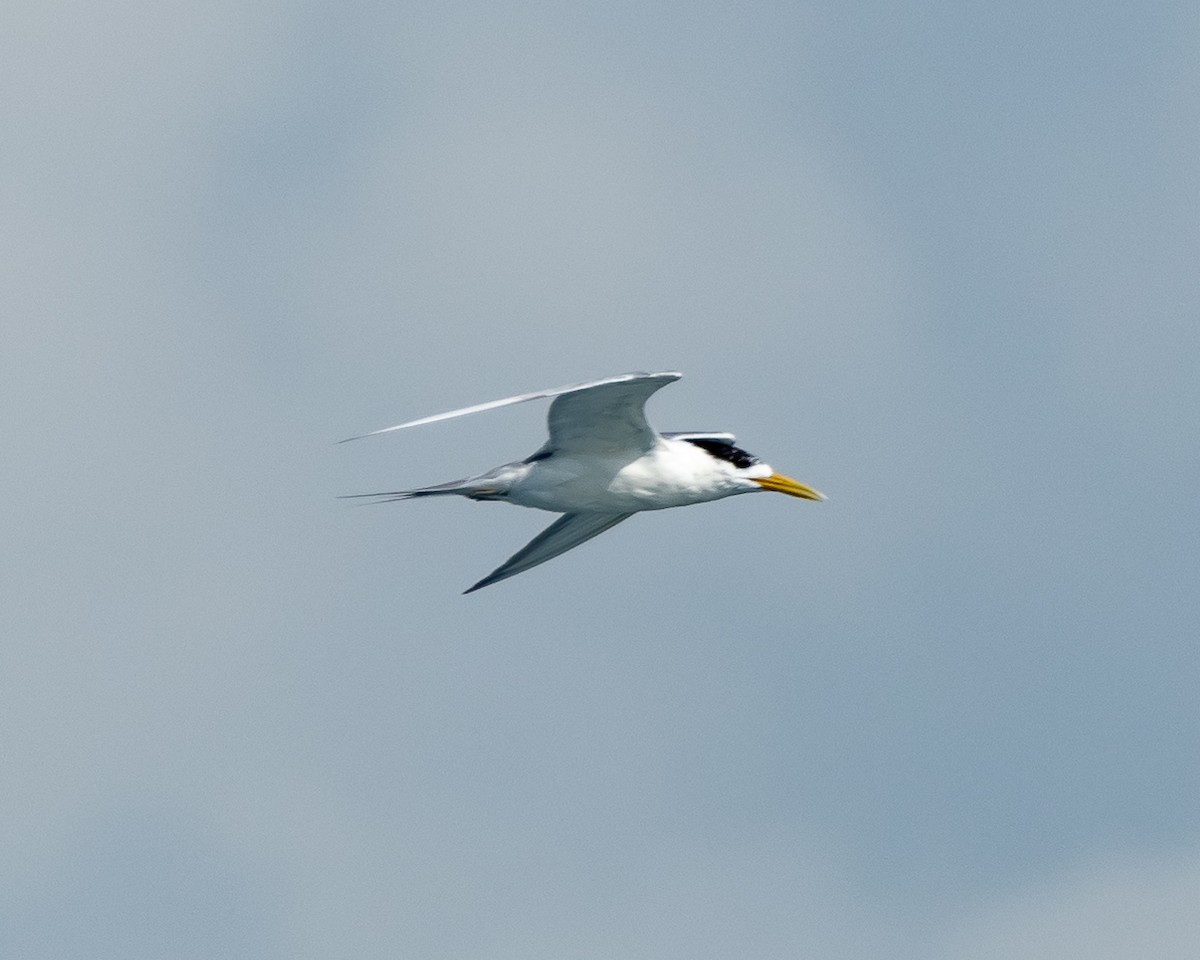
[606, 416]
[613, 400]
[569, 530]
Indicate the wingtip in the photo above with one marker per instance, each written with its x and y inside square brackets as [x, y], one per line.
[373, 433]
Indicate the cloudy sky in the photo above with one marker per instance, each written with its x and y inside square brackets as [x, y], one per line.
[938, 260]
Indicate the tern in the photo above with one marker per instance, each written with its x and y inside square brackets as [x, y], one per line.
[602, 464]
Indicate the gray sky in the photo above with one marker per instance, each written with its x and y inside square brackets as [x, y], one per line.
[937, 261]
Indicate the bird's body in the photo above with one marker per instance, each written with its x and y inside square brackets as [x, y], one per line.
[603, 463]
[672, 473]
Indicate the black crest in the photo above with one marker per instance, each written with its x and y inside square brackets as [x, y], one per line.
[725, 451]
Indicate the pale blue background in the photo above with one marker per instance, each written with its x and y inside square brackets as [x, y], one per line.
[938, 260]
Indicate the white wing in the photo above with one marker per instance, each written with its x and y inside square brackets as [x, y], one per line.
[609, 415]
[569, 530]
[616, 400]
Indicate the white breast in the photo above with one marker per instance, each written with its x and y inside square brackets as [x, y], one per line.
[673, 474]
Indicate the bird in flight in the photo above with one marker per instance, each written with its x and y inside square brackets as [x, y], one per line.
[602, 464]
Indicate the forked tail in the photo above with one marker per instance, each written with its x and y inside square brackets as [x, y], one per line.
[461, 488]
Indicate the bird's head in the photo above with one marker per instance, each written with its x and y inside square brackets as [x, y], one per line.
[749, 474]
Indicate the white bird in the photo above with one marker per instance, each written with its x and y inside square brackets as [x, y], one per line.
[602, 463]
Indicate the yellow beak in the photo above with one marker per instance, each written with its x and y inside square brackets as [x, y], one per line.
[781, 484]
